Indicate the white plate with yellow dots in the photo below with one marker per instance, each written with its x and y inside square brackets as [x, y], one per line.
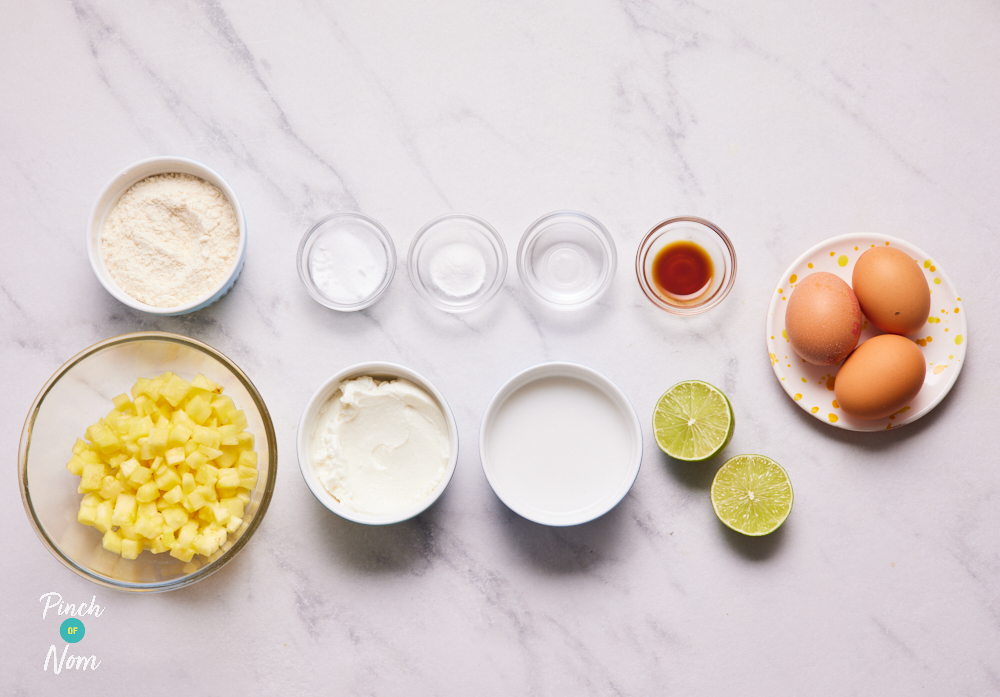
[942, 340]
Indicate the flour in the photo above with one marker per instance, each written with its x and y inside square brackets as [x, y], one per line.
[170, 239]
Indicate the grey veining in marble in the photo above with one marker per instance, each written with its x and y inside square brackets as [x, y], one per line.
[783, 123]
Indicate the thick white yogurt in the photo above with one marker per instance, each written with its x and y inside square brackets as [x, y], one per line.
[380, 447]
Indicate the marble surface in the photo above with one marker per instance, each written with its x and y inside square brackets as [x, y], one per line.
[784, 124]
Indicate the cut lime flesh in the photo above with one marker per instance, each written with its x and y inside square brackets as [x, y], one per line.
[751, 494]
[693, 421]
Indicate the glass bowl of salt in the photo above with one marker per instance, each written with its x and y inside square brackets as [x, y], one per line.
[347, 261]
[457, 262]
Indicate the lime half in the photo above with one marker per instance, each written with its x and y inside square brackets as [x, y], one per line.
[752, 494]
[693, 421]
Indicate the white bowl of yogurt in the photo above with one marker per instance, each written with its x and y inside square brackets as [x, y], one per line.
[377, 443]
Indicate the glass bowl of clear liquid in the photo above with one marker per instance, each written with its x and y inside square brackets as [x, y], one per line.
[566, 259]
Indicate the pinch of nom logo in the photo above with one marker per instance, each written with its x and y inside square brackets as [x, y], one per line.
[71, 631]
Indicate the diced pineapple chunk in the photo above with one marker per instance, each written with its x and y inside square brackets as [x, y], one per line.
[175, 389]
[179, 435]
[169, 468]
[229, 478]
[239, 420]
[152, 388]
[204, 435]
[147, 492]
[168, 479]
[125, 508]
[140, 475]
[149, 527]
[234, 505]
[206, 474]
[111, 487]
[248, 458]
[175, 456]
[187, 533]
[229, 435]
[139, 427]
[103, 439]
[93, 474]
[248, 477]
[158, 438]
[102, 519]
[87, 514]
[246, 440]
[223, 407]
[76, 465]
[138, 386]
[185, 554]
[209, 453]
[157, 546]
[144, 406]
[196, 460]
[128, 466]
[174, 496]
[205, 544]
[204, 383]
[220, 513]
[112, 542]
[198, 409]
[131, 548]
[174, 517]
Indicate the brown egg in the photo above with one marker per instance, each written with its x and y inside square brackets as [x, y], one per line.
[892, 290]
[880, 377]
[823, 319]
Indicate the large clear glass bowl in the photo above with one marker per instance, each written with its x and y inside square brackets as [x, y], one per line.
[77, 395]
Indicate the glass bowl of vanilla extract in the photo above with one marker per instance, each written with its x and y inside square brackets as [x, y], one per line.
[686, 265]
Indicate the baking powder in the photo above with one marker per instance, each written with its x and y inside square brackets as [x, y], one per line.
[170, 239]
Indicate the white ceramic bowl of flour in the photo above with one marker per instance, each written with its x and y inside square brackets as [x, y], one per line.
[106, 203]
[312, 422]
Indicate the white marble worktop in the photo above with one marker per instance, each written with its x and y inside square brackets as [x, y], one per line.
[783, 123]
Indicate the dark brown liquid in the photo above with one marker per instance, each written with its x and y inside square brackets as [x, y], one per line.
[682, 270]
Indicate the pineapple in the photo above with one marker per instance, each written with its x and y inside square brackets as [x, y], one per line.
[170, 468]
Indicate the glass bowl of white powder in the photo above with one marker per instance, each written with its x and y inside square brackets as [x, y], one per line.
[377, 443]
[167, 236]
[457, 262]
[347, 261]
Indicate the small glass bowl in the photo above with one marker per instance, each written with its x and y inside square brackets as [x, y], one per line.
[77, 395]
[347, 287]
[702, 233]
[566, 259]
[457, 262]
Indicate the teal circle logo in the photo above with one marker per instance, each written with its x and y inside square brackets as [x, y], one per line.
[72, 630]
